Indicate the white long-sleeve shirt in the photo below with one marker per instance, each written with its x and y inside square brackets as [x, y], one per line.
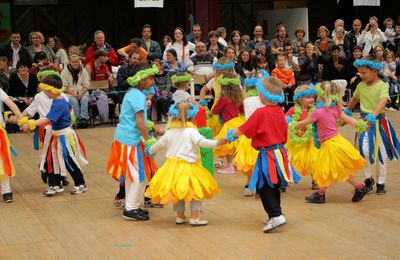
[182, 143]
[370, 42]
[181, 51]
[41, 104]
[251, 104]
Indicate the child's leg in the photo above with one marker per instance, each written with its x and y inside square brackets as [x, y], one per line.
[75, 172]
[229, 167]
[134, 193]
[195, 208]
[271, 199]
[5, 185]
[121, 192]
[360, 190]
[180, 209]
[381, 171]
[365, 149]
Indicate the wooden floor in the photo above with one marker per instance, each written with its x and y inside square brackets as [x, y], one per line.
[89, 227]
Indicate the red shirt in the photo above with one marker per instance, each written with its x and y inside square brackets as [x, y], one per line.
[227, 109]
[99, 73]
[304, 115]
[266, 127]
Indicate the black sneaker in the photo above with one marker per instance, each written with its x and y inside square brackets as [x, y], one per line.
[380, 189]
[44, 176]
[7, 197]
[315, 198]
[358, 195]
[64, 181]
[135, 214]
[83, 123]
[144, 211]
[369, 185]
[150, 204]
[282, 189]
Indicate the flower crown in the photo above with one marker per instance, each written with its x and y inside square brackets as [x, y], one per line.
[142, 74]
[182, 78]
[368, 63]
[228, 81]
[305, 93]
[269, 96]
[53, 89]
[42, 74]
[174, 112]
[251, 82]
[227, 66]
[321, 93]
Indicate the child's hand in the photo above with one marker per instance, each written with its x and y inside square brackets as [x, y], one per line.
[159, 131]
[368, 126]
[25, 128]
[222, 141]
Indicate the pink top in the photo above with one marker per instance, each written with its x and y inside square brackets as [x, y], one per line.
[227, 109]
[326, 120]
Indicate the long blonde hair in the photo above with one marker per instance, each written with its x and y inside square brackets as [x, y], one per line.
[330, 90]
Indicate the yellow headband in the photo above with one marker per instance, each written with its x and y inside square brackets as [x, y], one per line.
[53, 90]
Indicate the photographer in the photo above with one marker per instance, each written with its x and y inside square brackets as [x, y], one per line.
[371, 36]
[214, 47]
[259, 39]
[278, 42]
[308, 63]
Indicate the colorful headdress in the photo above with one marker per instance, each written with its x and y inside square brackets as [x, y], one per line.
[269, 96]
[321, 93]
[264, 73]
[142, 74]
[227, 66]
[251, 82]
[182, 78]
[228, 81]
[42, 74]
[368, 63]
[174, 112]
[53, 89]
[305, 93]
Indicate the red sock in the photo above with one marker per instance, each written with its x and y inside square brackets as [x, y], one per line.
[321, 192]
[360, 186]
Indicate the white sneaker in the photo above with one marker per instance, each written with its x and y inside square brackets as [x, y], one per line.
[197, 222]
[53, 190]
[274, 223]
[180, 221]
[79, 189]
[247, 192]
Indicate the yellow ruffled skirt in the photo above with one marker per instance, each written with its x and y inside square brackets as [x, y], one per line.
[178, 180]
[229, 148]
[337, 161]
[214, 123]
[303, 156]
[245, 156]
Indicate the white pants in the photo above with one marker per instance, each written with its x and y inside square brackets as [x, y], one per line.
[381, 170]
[5, 185]
[133, 190]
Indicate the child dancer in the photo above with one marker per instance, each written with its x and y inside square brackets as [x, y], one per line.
[62, 149]
[182, 178]
[7, 169]
[300, 144]
[127, 161]
[338, 160]
[181, 82]
[229, 106]
[246, 156]
[380, 142]
[267, 130]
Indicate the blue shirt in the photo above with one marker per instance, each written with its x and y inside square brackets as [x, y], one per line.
[127, 133]
[59, 114]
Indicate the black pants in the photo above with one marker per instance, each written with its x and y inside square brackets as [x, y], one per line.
[72, 168]
[271, 199]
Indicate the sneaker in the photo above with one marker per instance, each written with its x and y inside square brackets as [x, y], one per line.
[218, 164]
[228, 170]
[369, 185]
[79, 189]
[83, 123]
[274, 223]
[44, 176]
[64, 181]
[150, 204]
[247, 192]
[314, 186]
[7, 197]
[135, 214]
[358, 195]
[391, 109]
[119, 203]
[180, 221]
[144, 211]
[53, 190]
[315, 198]
[380, 189]
[196, 222]
[282, 189]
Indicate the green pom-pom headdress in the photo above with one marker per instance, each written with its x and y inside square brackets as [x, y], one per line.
[228, 81]
[321, 93]
[142, 74]
[185, 77]
[42, 74]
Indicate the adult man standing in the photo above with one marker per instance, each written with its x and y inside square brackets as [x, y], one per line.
[152, 47]
[197, 34]
[100, 43]
[259, 37]
[15, 51]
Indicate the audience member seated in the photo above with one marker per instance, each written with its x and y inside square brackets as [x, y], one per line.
[100, 43]
[76, 82]
[135, 46]
[298, 41]
[124, 72]
[41, 63]
[183, 48]
[247, 62]
[280, 38]
[354, 76]
[308, 63]
[163, 96]
[336, 66]
[4, 74]
[60, 53]
[286, 75]
[172, 65]
[230, 53]
[152, 47]
[371, 36]
[259, 38]
[214, 47]
[37, 45]
[324, 43]
[235, 41]
[292, 61]
[15, 51]
[342, 42]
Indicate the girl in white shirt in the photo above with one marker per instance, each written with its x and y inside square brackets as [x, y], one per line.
[182, 178]
[184, 49]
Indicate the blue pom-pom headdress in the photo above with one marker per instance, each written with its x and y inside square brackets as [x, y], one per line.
[264, 73]
[174, 112]
[305, 93]
[368, 63]
[251, 82]
[228, 66]
[269, 96]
